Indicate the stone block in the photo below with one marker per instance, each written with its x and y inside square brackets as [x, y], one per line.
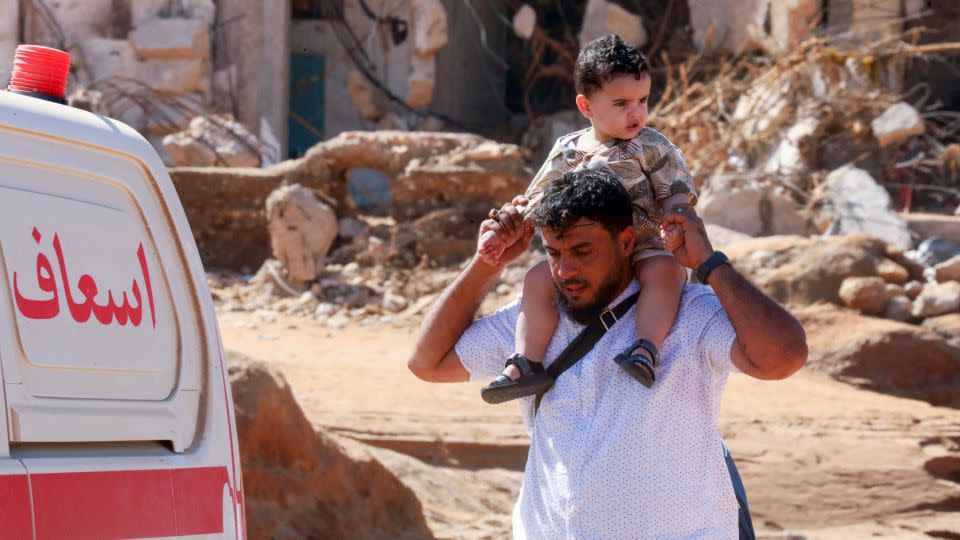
[524, 21]
[176, 76]
[302, 229]
[422, 81]
[603, 17]
[172, 38]
[855, 203]
[429, 26]
[937, 300]
[897, 124]
[865, 294]
[753, 210]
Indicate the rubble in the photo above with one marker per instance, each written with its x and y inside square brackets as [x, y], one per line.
[897, 124]
[172, 38]
[302, 229]
[948, 270]
[524, 21]
[855, 203]
[173, 75]
[604, 17]
[937, 300]
[752, 209]
[865, 294]
[213, 140]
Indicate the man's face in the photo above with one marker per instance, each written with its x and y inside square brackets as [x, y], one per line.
[619, 108]
[589, 266]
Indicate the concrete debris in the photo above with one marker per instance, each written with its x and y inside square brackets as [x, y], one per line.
[892, 272]
[753, 209]
[524, 21]
[898, 308]
[865, 294]
[174, 76]
[948, 270]
[363, 97]
[421, 82]
[172, 38]
[787, 157]
[729, 25]
[603, 17]
[898, 123]
[105, 59]
[429, 26]
[934, 250]
[302, 229]
[211, 141]
[937, 300]
[855, 203]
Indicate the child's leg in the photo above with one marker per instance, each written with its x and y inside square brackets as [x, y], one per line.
[661, 279]
[538, 316]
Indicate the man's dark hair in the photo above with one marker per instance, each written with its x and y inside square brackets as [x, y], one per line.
[602, 59]
[595, 195]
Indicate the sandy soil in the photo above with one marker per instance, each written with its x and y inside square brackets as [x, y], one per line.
[818, 457]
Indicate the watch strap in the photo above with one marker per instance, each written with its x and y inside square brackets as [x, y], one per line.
[713, 261]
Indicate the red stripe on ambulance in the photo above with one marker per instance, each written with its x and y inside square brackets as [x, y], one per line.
[15, 507]
[129, 504]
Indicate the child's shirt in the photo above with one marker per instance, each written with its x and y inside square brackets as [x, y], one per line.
[648, 165]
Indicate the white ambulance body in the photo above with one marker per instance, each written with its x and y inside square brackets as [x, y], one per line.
[116, 419]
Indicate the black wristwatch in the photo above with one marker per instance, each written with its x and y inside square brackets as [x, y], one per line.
[713, 261]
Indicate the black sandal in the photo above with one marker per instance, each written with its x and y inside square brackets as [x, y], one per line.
[533, 380]
[637, 365]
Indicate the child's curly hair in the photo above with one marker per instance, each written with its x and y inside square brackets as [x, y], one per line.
[603, 58]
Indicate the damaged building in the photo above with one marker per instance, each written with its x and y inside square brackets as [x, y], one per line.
[271, 79]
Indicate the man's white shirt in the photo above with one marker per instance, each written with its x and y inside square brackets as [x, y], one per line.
[608, 457]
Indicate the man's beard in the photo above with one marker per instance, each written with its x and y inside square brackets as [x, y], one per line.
[606, 292]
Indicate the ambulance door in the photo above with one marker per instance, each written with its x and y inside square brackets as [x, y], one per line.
[16, 519]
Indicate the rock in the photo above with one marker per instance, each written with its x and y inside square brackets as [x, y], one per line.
[603, 17]
[302, 483]
[928, 225]
[730, 25]
[421, 82]
[855, 203]
[898, 308]
[898, 123]
[753, 210]
[721, 237]
[787, 158]
[351, 227]
[302, 230]
[913, 289]
[325, 309]
[873, 352]
[305, 304]
[947, 326]
[798, 270]
[948, 270]
[865, 294]
[172, 38]
[914, 268]
[937, 300]
[363, 97]
[448, 236]
[524, 21]
[394, 303]
[544, 131]
[429, 26]
[892, 272]
[935, 250]
[892, 290]
[213, 140]
[176, 76]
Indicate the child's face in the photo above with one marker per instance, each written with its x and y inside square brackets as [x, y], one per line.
[619, 108]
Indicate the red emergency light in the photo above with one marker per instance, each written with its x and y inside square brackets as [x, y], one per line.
[41, 72]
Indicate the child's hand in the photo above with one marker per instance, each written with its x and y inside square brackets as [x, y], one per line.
[672, 236]
[492, 242]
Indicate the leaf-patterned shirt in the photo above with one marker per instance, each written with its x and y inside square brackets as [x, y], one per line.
[649, 166]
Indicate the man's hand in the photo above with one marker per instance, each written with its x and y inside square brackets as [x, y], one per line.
[685, 235]
[513, 231]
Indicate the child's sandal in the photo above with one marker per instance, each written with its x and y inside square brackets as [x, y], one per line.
[533, 380]
[637, 365]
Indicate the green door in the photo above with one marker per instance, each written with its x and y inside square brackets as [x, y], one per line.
[306, 103]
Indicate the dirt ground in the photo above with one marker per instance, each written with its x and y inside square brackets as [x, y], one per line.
[819, 457]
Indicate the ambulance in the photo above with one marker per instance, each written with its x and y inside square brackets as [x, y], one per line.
[116, 419]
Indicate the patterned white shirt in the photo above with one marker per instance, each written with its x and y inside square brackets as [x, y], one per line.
[609, 458]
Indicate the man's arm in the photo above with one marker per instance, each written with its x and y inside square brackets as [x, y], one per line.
[771, 343]
[433, 358]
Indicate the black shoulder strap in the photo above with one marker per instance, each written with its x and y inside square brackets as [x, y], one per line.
[585, 341]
